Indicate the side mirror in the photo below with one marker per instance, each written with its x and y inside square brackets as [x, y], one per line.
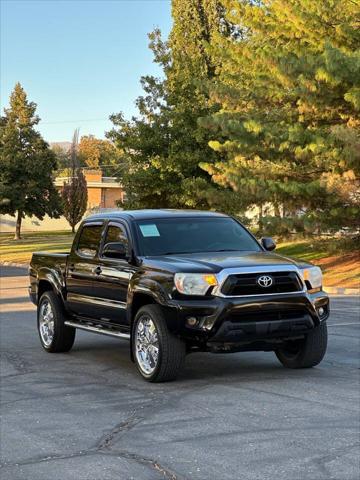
[115, 250]
[268, 243]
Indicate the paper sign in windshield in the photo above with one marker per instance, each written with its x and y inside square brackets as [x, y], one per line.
[150, 230]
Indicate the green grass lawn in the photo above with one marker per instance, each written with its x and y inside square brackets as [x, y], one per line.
[339, 260]
[309, 250]
[317, 249]
[20, 251]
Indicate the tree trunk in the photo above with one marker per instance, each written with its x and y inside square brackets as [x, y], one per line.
[73, 228]
[260, 219]
[276, 210]
[18, 225]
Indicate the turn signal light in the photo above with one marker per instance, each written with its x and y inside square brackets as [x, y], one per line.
[210, 279]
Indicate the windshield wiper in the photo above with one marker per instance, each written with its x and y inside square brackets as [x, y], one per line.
[204, 251]
[228, 250]
[171, 253]
[179, 253]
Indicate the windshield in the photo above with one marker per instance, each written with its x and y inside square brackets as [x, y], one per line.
[167, 236]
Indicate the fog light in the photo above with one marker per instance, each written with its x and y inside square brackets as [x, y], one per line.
[321, 311]
[192, 321]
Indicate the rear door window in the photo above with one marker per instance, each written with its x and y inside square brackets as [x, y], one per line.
[89, 241]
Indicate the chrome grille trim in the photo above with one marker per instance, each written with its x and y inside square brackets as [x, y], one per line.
[226, 272]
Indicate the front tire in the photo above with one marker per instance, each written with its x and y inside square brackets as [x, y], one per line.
[305, 353]
[158, 354]
[54, 335]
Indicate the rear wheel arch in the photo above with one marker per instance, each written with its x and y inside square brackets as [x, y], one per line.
[54, 335]
[48, 281]
[44, 286]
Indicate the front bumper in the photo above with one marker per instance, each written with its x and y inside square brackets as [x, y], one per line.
[247, 319]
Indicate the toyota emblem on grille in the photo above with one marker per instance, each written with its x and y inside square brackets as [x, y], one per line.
[265, 281]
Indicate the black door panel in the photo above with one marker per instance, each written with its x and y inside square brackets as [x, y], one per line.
[113, 280]
[111, 285]
[82, 264]
[97, 287]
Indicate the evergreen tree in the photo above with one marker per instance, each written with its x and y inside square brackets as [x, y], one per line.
[26, 164]
[289, 124]
[164, 146]
[74, 191]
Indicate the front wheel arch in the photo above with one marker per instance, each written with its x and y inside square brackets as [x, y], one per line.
[139, 300]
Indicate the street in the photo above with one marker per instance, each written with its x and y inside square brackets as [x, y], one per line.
[87, 414]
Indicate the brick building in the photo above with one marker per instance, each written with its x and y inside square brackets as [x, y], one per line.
[103, 192]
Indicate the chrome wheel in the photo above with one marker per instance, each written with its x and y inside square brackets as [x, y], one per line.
[46, 323]
[146, 345]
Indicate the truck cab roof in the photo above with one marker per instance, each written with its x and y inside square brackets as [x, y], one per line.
[147, 214]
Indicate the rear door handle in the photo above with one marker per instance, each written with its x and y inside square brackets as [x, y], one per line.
[97, 270]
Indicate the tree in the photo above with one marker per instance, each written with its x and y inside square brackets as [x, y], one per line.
[289, 127]
[163, 147]
[74, 191]
[97, 153]
[26, 164]
[62, 156]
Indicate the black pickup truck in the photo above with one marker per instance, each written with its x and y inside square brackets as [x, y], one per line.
[175, 282]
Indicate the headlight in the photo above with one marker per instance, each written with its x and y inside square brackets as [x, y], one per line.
[194, 283]
[313, 275]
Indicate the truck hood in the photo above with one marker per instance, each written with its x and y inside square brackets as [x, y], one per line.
[214, 262]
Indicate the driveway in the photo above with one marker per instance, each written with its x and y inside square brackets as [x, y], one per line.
[87, 414]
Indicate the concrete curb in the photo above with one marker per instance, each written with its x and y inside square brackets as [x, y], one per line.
[342, 291]
[330, 290]
[14, 264]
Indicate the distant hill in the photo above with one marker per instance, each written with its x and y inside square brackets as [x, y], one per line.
[65, 146]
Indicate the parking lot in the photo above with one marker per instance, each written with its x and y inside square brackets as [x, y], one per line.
[87, 414]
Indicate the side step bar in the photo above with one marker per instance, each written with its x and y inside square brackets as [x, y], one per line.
[98, 329]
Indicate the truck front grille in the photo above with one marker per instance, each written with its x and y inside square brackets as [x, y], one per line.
[247, 284]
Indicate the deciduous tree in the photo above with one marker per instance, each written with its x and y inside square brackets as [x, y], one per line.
[98, 153]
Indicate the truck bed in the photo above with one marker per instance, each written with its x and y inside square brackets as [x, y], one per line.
[43, 262]
[49, 260]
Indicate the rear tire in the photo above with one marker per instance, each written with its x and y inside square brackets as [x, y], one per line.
[54, 335]
[306, 353]
[158, 354]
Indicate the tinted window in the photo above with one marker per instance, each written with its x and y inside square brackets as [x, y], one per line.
[116, 234]
[193, 235]
[89, 240]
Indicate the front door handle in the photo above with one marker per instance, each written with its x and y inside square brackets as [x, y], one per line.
[97, 270]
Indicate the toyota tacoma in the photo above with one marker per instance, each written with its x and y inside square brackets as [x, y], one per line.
[174, 282]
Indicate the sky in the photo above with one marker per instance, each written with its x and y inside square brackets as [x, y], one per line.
[78, 60]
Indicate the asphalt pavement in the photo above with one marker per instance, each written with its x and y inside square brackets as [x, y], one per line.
[87, 414]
